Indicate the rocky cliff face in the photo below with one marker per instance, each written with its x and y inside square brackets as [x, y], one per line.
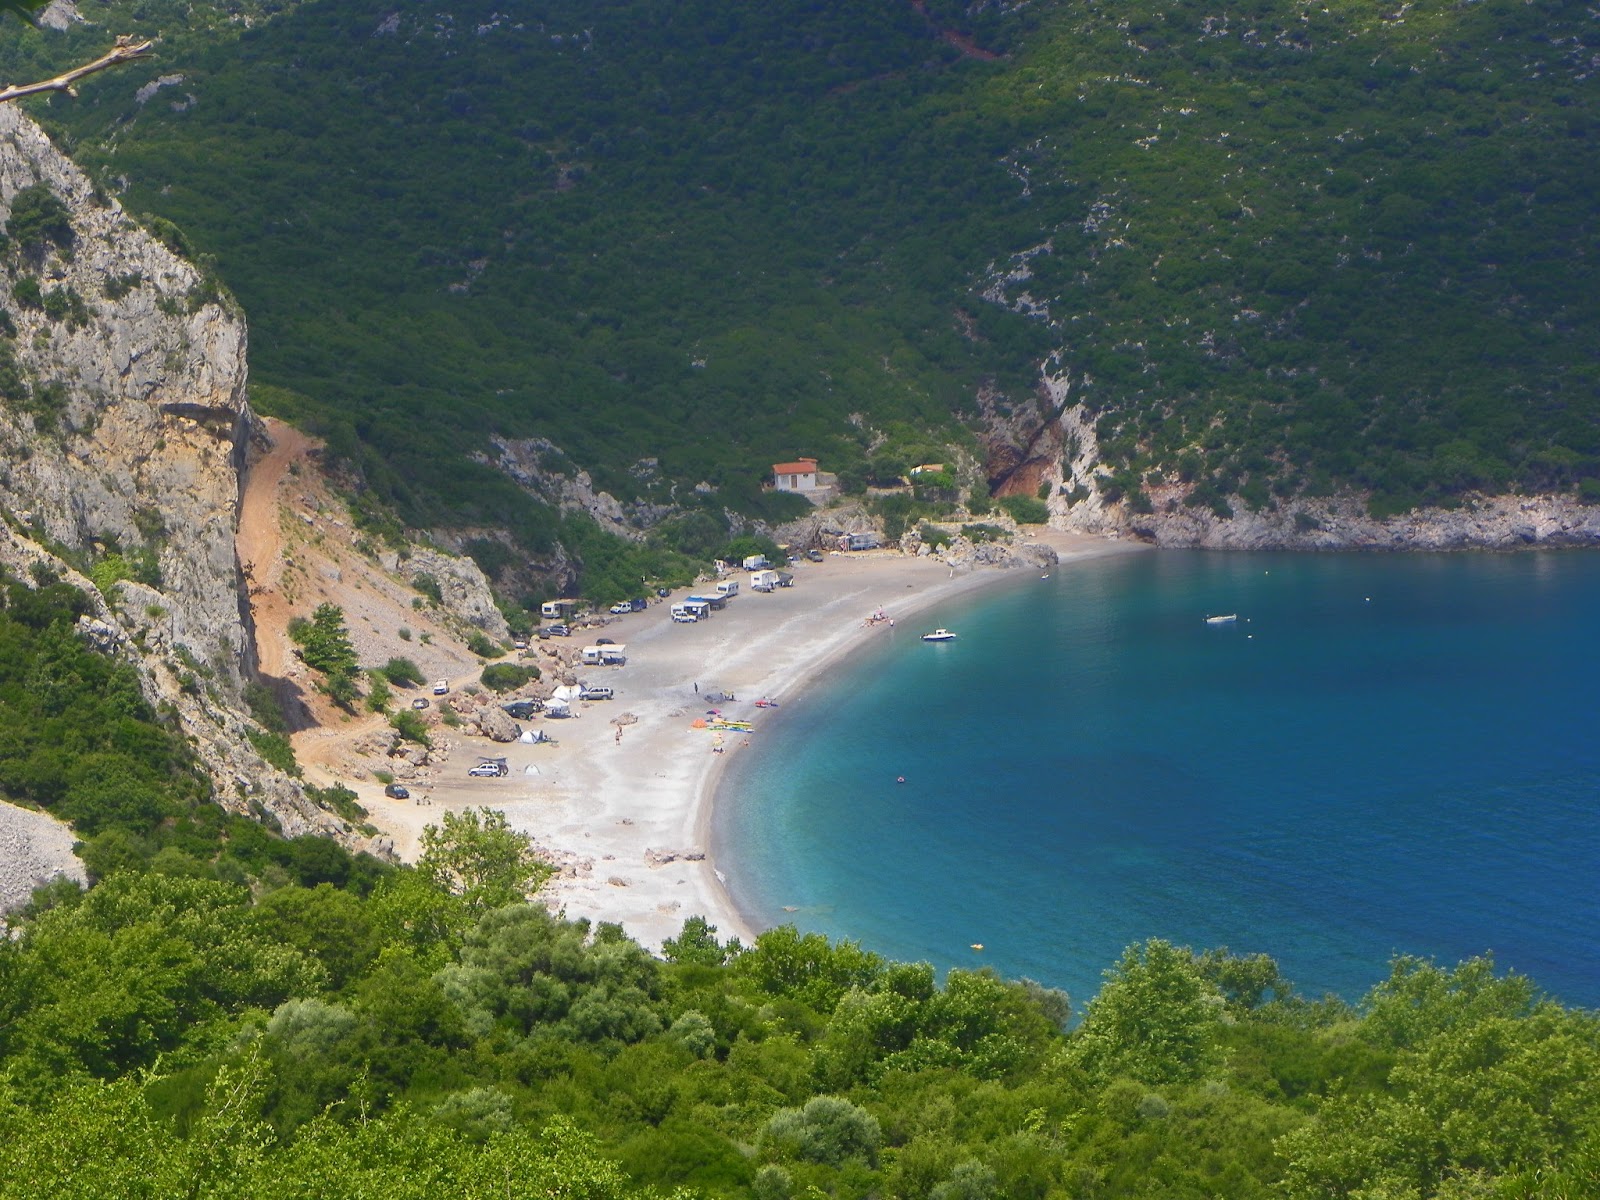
[1041, 443]
[124, 428]
[125, 422]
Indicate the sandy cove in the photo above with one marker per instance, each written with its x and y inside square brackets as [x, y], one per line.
[629, 820]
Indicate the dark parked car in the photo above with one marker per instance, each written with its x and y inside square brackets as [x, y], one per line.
[638, 604]
[522, 709]
[396, 792]
[604, 642]
[814, 555]
[420, 703]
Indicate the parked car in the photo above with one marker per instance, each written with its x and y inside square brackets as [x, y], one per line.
[519, 643]
[605, 642]
[814, 554]
[557, 630]
[441, 687]
[522, 709]
[488, 770]
[420, 703]
[596, 693]
[620, 607]
[396, 791]
[684, 618]
[638, 604]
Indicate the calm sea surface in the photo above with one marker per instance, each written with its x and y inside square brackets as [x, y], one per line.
[1396, 754]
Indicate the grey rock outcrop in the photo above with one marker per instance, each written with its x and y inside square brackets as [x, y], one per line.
[34, 849]
[463, 591]
[124, 429]
[127, 422]
[1343, 523]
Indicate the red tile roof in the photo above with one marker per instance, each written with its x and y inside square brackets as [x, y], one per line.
[806, 466]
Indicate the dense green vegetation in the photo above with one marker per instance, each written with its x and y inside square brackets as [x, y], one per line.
[430, 1039]
[1283, 249]
[228, 1013]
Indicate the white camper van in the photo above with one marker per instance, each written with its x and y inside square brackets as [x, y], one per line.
[727, 587]
[763, 581]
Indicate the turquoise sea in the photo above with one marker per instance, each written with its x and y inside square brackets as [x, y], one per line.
[1386, 754]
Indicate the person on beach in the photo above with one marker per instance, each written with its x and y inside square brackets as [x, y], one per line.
[619, 735]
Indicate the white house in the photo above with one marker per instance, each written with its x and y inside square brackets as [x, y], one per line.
[797, 476]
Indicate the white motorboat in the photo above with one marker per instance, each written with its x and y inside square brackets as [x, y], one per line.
[939, 635]
[1224, 619]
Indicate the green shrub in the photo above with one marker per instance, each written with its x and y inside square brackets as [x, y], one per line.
[410, 727]
[934, 537]
[27, 293]
[275, 748]
[1025, 510]
[38, 218]
[984, 533]
[265, 707]
[402, 672]
[483, 645]
[508, 677]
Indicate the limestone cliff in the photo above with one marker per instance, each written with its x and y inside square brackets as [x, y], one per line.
[123, 431]
[1049, 442]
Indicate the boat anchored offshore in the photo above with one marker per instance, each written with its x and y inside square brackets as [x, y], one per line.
[1224, 619]
[939, 635]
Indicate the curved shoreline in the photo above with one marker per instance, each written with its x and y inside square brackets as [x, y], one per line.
[628, 817]
[709, 799]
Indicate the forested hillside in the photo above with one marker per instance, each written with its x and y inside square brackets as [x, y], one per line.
[226, 1013]
[1278, 248]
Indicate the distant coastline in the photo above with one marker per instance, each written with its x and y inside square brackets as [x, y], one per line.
[1344, 523]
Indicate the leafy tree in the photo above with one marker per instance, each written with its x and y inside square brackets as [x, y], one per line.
[325, 646]
[1156, 1019]
[827, 1129]
[697, 944]
[87, 999]
[410, 726]
[475, 854]
[807, 967]
[379, 697]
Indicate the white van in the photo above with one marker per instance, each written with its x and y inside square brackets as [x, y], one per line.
[441, 687]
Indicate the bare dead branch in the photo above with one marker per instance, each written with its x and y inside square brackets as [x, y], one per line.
[126, 50]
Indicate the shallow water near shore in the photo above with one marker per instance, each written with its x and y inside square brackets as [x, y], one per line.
[1384, 754]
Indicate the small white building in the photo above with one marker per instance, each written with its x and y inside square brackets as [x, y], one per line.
[797, 476]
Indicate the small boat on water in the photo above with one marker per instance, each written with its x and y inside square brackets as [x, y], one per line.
[939, 635]
[1224, 619]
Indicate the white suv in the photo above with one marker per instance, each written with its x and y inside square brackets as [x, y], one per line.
[487, 771]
